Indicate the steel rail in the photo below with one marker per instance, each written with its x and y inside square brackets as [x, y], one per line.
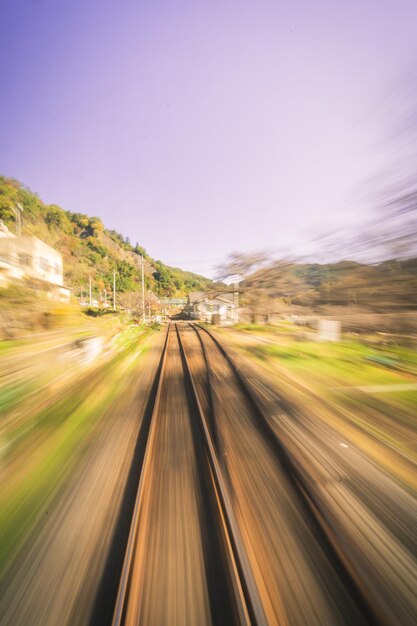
[123, 591]
[246, 594]
[305, 492]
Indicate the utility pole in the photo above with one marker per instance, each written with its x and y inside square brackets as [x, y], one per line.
[143, 292]
[91, 302]
[114, 289]
[18, 213]
[236, 302]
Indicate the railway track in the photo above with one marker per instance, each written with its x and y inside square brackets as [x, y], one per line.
[225, 529]
[302, 490]
[232, 596]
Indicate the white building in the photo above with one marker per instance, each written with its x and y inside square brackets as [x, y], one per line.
[217, 307]
[28, 258]
[5, 232]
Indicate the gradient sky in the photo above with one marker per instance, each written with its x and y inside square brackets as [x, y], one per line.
[199, 128]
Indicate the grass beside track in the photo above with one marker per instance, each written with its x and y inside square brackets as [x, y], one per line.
[373, 387]
[55, 439]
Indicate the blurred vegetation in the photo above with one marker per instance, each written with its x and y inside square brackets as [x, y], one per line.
[44, 434]
[370, 385]
[25, 310]
[268, 286]
[89, 249]
[96, 312]
[385, 286]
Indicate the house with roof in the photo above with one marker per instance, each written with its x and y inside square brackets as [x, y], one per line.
[211, 307]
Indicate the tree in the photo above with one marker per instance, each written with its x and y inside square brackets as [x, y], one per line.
[238, 267]
[140, 250]
[8, 199]
[240, 264]
[56, 217]
[95, 226]
[164, 280]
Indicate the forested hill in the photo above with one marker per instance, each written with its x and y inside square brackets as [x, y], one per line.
[388, 286]
[88, 248]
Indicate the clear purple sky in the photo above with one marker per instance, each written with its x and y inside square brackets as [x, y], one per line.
[198, 128]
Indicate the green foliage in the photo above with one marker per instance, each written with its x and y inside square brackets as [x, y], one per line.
[94, 312]
[57, 218]
[13, 193]
[140, 251]
[127, 276]
[7, 206]
[96, 226]
[95, 245]
[163, 278]
[387, 286]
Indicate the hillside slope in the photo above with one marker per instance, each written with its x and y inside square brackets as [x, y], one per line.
[384, 287]
[89, 249]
